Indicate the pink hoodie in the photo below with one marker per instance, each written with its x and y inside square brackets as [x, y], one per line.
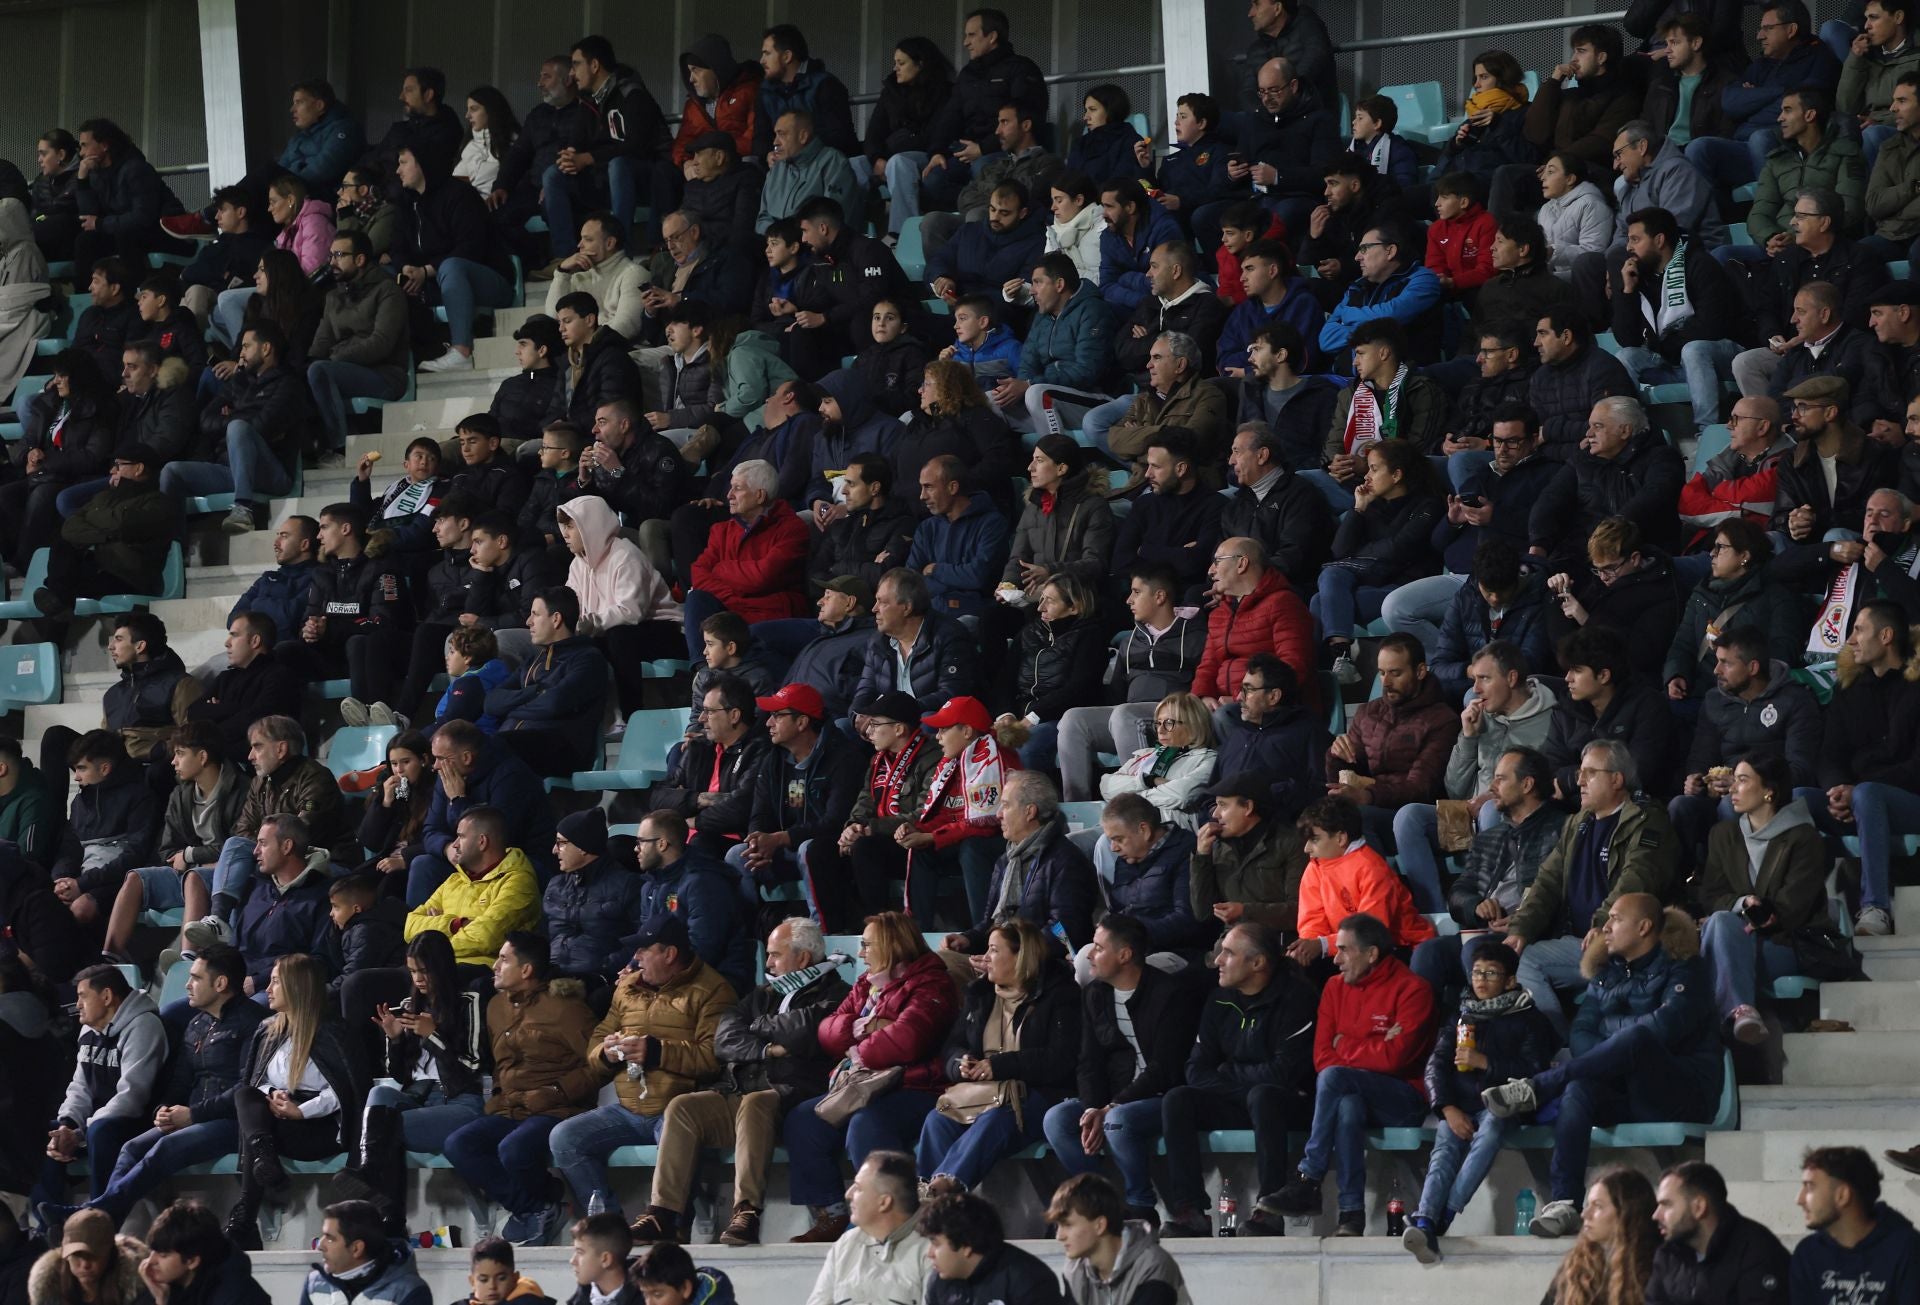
[615, 582]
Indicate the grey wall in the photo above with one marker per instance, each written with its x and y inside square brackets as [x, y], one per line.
[135, 61]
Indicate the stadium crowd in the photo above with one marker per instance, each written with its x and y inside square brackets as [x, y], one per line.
[1030, 523]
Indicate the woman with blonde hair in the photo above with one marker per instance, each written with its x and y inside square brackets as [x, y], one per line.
[301, 1093]
[1613, 1257]
[1171, 773]
[888, 1035]
[1011, 1056]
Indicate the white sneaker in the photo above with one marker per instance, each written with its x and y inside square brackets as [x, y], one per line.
[381, 714]
[1748, 1027]
[354, 712]
[450, 361]
[1872, 922]
[1558, 1219]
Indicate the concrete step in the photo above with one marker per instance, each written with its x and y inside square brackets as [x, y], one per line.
[81, 716]
[433, 412]
[508, 320]
[495, 351]
[1894, 1106]
[391, 445]
[1889, 1007]
[1849, 1059]
[1892, 959]
[1772, 1203]
[1773, 1155]
[479, 379]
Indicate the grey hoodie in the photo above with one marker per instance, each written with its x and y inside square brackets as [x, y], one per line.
[1791, 816]
[1470, 765]
[1141, 1261]
[118, 1066]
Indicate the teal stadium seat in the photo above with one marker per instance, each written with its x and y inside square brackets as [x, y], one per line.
[642, 758]
[29, 675]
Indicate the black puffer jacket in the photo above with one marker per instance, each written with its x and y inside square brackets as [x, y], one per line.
[1773, 609]
[623, 120]
[1005, 1275]
[497, 486]
[448, 220]
[86, 438]
[339, 1058]
[208, 1061]
[1644, 607]
[1563, 395]
[1267, 1038]
[1481, 397]
[275, 403]
[942, 663]
[1056, 665]
[1508, 1030]
[1057, 889]
[1046, 1025]
[1744, 1263]
[163, 419]
[1637, 716]
[349, 592]
[459, 1046]
[1293, 523]
[520, 404]
[1642, 484]
[903, 119]
[128, 196]
[1388, 543]
[987, 448]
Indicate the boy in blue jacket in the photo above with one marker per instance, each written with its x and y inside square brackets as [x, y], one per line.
[1194, 183]
[982, 345]
[1511, 1039]
[474, 669]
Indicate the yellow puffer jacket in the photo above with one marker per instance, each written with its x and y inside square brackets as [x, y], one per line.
[479, 913]
[682, 1016]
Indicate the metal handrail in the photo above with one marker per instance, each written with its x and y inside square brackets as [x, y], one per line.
[1056, 79]
[182, 169]
[1464, 33]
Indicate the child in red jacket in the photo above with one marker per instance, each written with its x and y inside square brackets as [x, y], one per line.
[1241, 225]
[1460, 244]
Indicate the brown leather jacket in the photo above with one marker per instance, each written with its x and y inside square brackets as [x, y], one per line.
[540, 1055]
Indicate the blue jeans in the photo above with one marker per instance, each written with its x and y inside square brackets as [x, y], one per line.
[1630, 1076]
[969, 1151]
[335, 383]
[1345, 1102]
[74, 497]
[1871, 139]
[1131, 1130]
[1751, 255]
[582, 1144]
[1419, 607]
[1728, 163]
[814, 1147]
[1881, 814]
[154, 1156]
[1458, 1166]
[1042, 749]
[426, 1125]
[1740, 959]
[252, 471]
[504, 1159]
[943, 185]
[567, 197]
[1548, 968]
[1838, 37]
[1102, 419]
[162, 888]
[1702, 364]
[234, 867]
[903, 187]
[464, 287]
[229, 313]
[1416, 841]
[425, 873]
[1344, 601]
[1338, 496]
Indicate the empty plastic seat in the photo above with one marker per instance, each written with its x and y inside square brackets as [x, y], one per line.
[29, 675]
[642, 758]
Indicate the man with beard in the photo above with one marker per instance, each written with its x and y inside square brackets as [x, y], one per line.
[361, 349]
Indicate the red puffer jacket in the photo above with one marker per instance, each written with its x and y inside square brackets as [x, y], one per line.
[1271, 619]
[919, 1007]
[759, 571]
[732, 113]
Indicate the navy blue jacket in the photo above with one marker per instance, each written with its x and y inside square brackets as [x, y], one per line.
[967, 556]
[208, 1061]
[1197, 173]
[941, 665]
[817, 91]
[1884, 1269]
[273, 924]
[982, 260]
[703, 895]
[129, 197]
[1288, 749]
[321, 154]
[590, 914]
[1298, 309]
[1123, 267]
[833, 661]
[1673, 998]
[562, 686]
[499, 779]
[1752, 102]
[835, 773]
[1298, 143]
[1058, 889]
[1468, 627]
[1154, 892]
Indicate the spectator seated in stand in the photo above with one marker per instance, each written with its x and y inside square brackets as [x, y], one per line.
[520, 404]
[1509, 1039]
[250, 432]
[1374, 139]
[1258, 613]
[626, 607]
[287, 782]
[1741, 481]
[597, 368]
[1792, 59]
[1460, 244]
[984, 343]
[1272, 294]
[1290, 134]
[963, 542]
[1272, 732]
[983, 256]
[361, 349]
[68, 439]
[1625, 471]
[1386, 541]
[1173, 772]
[1194, 180]
[1243, 224]
[1574, 374]
[1066, 358]
[1175, 525]
[407, 504]
[1284, 419]
[118, 540]
[1371, 1038]
[894, 363]
[491, 893]
[1644, 1048]
[602, 268]
[1391, 285]
[1145, 865]
[550, 712]
[803, 167]
[472, 769]
[592, 905]
[1496, 599]
[802, 793]
[754, 561]
[110, 828]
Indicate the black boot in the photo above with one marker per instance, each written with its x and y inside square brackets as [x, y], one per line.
[243, 1221]
[377, 1171]
[262, 1152]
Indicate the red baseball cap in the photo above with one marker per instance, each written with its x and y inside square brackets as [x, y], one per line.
[962, 711]
[803, 698]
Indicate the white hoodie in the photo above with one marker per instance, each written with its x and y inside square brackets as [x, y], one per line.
[615, 582]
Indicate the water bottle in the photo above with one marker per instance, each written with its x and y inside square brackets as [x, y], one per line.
[596, 1204]
[1229, 1210]
[1523, 1205]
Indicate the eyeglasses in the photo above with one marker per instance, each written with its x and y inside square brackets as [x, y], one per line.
[1247, 686]
[1488, 973]
[1594, 772]
[1610, 569]
[1365, 245]
[1715, 549]
[1165, 724]
[719, 711]
[1226, 557]
[1510, 441]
